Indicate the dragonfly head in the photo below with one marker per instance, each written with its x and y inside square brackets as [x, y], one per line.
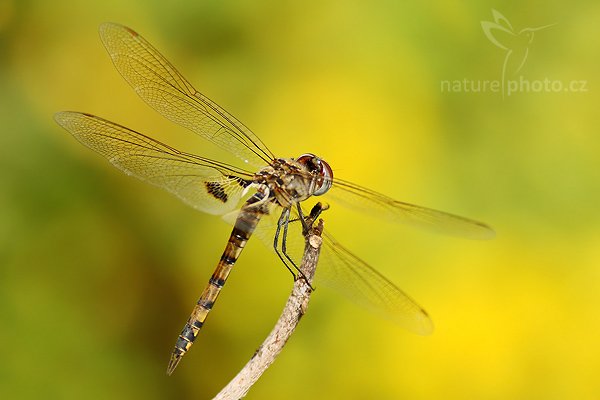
[320, 169]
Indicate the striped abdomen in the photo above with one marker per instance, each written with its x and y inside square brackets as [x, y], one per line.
[247, 220]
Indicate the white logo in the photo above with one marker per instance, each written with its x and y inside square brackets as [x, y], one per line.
[515, 44]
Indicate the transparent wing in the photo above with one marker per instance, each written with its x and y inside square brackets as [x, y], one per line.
[160, 85]
[206, 185]
[371, 202]
[354, 278]
[349, 275]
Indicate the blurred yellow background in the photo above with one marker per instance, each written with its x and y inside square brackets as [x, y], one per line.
[98, 271]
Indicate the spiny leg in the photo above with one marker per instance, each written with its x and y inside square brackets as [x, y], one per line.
[284, 247]
[285, 214]
[307, 223]
[284, 221]
[306, 227]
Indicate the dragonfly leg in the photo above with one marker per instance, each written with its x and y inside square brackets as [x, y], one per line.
[286, 222]
[283, 220]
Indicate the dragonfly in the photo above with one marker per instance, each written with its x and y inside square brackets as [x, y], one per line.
[269, 189]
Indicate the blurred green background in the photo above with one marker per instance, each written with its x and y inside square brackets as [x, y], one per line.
[98, 271]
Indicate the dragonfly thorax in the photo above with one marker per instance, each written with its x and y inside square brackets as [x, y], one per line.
[294, 180]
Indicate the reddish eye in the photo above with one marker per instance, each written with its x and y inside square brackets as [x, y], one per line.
[322, 169]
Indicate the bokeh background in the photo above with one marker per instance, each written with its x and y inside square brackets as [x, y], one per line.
[98, 271]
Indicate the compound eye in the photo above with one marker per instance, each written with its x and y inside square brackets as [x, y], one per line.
[325, 178]
[309, 160]
[321, 169]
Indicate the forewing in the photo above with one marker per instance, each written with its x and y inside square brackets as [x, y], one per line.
[204, 184]
[341, 270]
[371, 202]
[160, 85]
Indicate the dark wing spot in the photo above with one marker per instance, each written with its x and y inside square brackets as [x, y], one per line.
[242, 182]
[216, 190]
